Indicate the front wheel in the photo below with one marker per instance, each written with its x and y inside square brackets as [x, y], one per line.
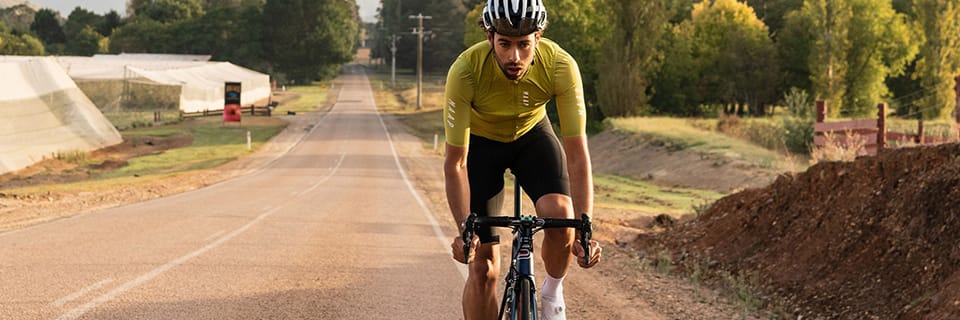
[526, 300]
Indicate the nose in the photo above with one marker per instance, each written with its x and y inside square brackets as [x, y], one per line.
[514, 55]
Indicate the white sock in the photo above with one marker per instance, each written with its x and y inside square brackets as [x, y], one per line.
[552, 287]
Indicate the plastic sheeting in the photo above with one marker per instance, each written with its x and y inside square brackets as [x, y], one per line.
[201, 82]
[43, 113]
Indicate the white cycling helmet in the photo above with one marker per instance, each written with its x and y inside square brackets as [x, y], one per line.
[514, 17]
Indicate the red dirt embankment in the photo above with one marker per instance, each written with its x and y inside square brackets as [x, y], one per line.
[878, 238]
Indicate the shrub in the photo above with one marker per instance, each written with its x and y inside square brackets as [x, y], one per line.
[798, 134]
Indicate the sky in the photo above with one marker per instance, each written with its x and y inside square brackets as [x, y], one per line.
[98, 6]
[368, 8]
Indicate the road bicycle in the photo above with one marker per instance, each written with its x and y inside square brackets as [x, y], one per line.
[519, 297]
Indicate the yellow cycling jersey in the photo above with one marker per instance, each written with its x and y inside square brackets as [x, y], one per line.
[481, 100]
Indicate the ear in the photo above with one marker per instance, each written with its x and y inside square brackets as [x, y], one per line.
[490, 38]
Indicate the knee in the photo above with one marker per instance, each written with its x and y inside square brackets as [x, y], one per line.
[558, 235]
[555, 205]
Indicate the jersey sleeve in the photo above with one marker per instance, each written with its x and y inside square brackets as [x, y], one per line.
[458, 97]
[571, 107]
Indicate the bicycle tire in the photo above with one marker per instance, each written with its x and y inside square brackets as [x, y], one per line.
[527, 301]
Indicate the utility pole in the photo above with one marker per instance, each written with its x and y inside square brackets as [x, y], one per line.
[393, 62]
[419, 32]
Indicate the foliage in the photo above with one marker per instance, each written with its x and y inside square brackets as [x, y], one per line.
[313, 40]
[774, 12]
[47, 28]
[575, 27]
[676, 80]
[473, 31]
[939, 59]
[20, 45]
[737, 59]
[829, 22]
[881, 46]
[844, 51]
[139, 35]
[631, 58]
[166, 11]
[84, 43]
[111, 21]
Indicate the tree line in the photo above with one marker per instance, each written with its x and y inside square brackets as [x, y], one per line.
[295, 41]
[696, 58]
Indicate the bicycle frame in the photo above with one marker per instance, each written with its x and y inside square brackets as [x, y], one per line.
[519, 298]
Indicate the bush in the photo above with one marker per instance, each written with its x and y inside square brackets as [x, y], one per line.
[762, 132]
[798, 134]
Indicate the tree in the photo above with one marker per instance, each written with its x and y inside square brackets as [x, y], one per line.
[882, 45]
[110, 22]
[774, 12]
[939, 59]
[47, 28]
[78, 20]
[737, 59]
[574, 25]
[794, 45]
[166, 11]
[20, 45]
[625, 74]
[829, 21]
[675, 83]
[314, 38]
[141, 35]
[84, 43]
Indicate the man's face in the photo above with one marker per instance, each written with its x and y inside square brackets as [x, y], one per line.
[514, 54]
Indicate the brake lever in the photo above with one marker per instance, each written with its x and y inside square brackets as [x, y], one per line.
[586, 232]
[467, 236]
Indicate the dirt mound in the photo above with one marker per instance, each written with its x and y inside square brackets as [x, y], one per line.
[680, 168]
[872, 239]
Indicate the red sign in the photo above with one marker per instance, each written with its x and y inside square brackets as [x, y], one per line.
[231, 113]
[231, 99]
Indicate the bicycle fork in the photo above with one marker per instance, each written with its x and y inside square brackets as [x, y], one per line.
[521, 294]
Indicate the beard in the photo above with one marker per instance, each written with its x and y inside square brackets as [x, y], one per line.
[512, 70]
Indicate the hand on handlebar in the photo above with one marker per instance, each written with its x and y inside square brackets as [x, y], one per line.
[457, 248]
[595, 250]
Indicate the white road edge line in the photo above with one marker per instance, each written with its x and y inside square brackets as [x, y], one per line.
[214, 235]
[81, 310]
[441, 237]
[73, 296]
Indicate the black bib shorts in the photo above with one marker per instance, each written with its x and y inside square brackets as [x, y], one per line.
[536, 159]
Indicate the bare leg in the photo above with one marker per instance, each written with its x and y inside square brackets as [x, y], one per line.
[479, 294]
[557, 243]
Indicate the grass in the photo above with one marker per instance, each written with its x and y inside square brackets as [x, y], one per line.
[401, 100]
[618, 192]
[213, 144]
[678, 134]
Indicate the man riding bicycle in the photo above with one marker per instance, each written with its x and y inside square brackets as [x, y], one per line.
[496, 97]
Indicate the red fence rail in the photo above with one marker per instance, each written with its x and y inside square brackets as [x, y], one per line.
[870, 134]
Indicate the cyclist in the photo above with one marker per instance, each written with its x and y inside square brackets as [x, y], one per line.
[496, 96]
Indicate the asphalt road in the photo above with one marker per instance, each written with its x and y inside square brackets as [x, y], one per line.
[329, 230]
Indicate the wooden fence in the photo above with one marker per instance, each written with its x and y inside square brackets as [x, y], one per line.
[251, 110]
[870, 134]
